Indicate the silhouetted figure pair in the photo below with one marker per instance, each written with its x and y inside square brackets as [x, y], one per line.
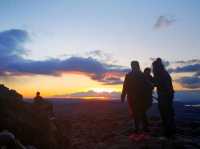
[139, 91]
[139, 86]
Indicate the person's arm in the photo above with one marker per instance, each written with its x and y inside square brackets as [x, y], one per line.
[170, 86]
[155, 81]
[124, 89]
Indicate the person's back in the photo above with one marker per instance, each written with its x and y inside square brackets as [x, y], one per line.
[165, 86]
[134, 84]
[134, 87]
[42, 106]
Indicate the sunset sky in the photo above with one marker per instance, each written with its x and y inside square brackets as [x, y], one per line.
[83, 48]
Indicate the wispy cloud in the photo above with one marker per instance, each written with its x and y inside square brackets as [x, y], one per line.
[101, 56]
[163, 22]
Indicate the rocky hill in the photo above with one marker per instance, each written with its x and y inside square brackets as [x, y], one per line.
[28, 125]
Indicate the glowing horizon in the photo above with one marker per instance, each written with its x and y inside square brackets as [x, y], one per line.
[64, 86]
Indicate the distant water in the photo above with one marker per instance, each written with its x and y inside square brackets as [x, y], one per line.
[188, 97]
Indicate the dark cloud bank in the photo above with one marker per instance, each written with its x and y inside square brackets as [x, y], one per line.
[190, 66]
[13, 63]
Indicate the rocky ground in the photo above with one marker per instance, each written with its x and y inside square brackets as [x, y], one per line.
[92, 124]
[107, 125]
[24, 124]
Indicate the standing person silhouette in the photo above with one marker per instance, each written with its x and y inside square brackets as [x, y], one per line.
[149, 77]
[135, 85]
[165, 91]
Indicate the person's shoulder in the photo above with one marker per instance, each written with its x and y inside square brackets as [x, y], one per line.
[167, 75]
[140, 74]
[128, 73]
[38, 98]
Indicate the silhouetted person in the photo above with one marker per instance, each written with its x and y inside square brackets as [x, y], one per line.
[149, 77]
[43, 106]
[165, 91]
[147, 73]
[38, 98]
[135, 85]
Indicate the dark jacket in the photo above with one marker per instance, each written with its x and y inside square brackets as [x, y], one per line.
[164, 85]
[137, 88]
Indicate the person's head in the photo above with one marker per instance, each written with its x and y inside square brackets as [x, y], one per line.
[37, 93]
[147, 71]
[135, 66]
[158, 66]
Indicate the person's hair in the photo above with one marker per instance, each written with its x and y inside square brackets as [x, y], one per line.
[147, 70]
[135, 66]
[158, 67]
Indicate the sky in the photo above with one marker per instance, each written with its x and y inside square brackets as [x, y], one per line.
[83, 47]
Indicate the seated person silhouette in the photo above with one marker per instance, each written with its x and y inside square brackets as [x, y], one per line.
[38, 98]
[135, 87]
[43, 106]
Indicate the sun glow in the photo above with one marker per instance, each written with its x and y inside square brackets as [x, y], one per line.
[64, 85]
[100, 90]
[97, 97]
[51, 86]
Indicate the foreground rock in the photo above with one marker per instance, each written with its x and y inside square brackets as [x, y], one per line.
[33, 129]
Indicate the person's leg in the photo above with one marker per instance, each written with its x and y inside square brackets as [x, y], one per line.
[170, 123]
[136, 122]
[145, 123]
[162, 109]
[167, 116]
[136, 117]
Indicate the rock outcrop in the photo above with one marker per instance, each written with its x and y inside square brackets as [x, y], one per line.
[28, 125]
